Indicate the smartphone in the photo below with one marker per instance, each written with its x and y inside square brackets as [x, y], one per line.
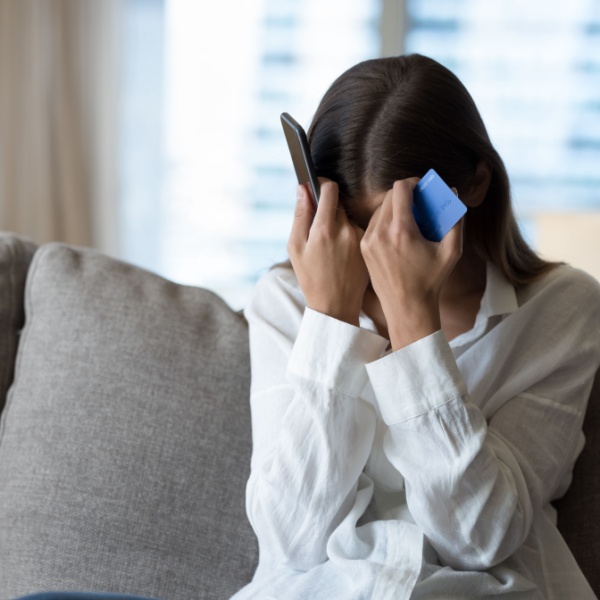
[303, 165]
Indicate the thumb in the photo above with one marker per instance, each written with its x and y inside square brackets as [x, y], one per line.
[452, 244]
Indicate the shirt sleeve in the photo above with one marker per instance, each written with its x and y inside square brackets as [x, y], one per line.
[312, 431]
[473, 484]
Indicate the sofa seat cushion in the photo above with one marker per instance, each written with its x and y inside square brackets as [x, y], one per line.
[15, 255]
[125, 443]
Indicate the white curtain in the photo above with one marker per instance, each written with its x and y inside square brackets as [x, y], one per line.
[59, 79]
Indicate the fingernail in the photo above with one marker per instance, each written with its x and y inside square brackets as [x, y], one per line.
[455, 191]
[300, 192]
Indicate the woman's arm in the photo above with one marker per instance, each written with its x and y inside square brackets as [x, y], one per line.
[312, 432]
[474, 484]
[407, 271]
[475, 478]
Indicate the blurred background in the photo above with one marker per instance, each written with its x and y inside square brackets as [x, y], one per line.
[150, 128]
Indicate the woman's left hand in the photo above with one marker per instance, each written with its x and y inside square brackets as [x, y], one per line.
[407, 271]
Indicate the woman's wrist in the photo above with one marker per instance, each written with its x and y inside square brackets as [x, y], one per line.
[410, 322]
[341, 313]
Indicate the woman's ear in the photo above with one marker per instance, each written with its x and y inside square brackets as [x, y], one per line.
[479, 186]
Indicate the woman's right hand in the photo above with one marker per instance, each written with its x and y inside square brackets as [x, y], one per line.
[324, 248]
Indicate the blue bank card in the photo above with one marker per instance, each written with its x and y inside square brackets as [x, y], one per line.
[436, 207]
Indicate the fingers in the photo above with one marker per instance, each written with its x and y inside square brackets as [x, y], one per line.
[328, 203]
[303, 218]
[381, 215]
[452, 243]
[395, 214]
[326, 218]
[402, 202]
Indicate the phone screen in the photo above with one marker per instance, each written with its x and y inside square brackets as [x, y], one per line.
[301, 158]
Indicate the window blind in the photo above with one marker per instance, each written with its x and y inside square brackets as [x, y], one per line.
[221, 200]
[533, 69]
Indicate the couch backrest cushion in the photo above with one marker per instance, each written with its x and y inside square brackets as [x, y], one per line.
[126, 439]
[579, 509]
[15, 256]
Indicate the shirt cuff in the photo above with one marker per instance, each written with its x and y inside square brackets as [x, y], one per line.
[416, 379]
[334, 353]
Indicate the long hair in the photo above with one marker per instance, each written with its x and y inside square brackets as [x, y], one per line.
[392, 118]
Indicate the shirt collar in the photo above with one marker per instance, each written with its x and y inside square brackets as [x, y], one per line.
[499, 297]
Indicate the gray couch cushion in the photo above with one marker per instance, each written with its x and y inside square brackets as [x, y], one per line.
[126, 439]
[15, 256]
[579, 509]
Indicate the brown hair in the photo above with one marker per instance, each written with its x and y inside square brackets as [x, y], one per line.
[392, 118]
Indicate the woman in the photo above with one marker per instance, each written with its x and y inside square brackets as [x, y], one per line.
[416, 406]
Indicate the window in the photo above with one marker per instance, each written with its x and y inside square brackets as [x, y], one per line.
[217, 210]
[533, 69]
[208, 187]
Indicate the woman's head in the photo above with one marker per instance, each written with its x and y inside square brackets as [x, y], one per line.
[392, 118]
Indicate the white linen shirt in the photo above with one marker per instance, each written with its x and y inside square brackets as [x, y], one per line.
[426, 472]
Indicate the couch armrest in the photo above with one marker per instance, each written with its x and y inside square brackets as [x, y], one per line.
[579, 509]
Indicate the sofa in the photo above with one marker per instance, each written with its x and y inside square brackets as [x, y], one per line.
[125, 437]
